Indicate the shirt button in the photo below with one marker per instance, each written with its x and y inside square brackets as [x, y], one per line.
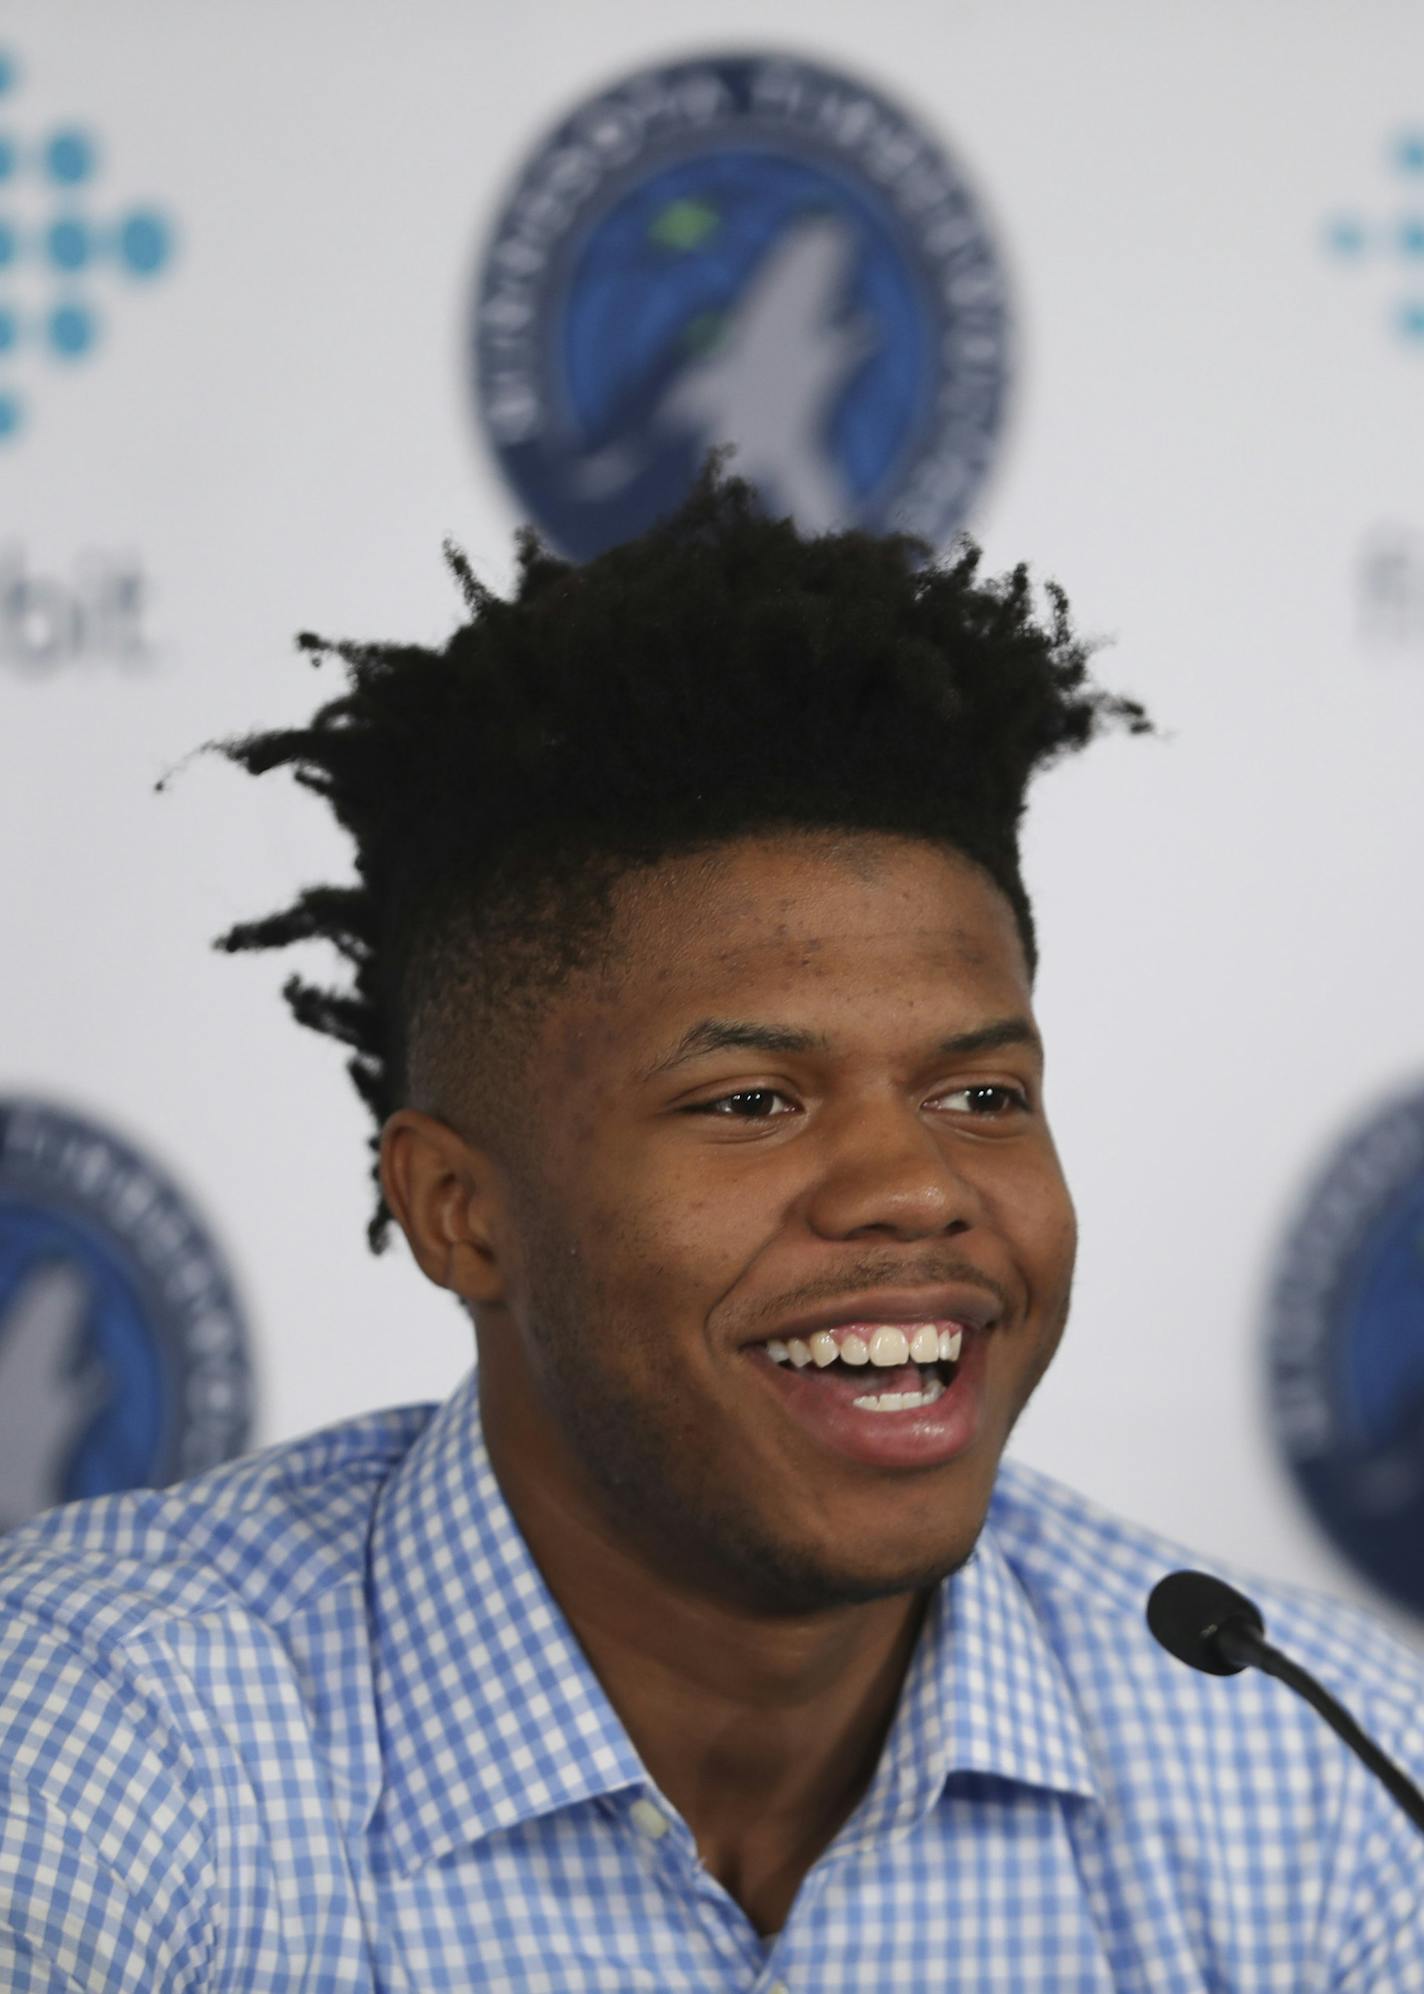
[649, 1820]
[778, 1987]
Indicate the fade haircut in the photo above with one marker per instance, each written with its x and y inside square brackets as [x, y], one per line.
[722, 676]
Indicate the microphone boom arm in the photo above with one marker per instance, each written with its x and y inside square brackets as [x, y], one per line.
[1240, 1643]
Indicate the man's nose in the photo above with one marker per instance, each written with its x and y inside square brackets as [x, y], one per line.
[886, 1170]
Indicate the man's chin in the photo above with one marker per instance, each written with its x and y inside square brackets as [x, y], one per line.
[793, 1581]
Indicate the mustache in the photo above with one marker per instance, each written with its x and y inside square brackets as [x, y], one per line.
[865, 1277]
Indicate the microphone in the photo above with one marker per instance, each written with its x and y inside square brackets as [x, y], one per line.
[1210, 1626]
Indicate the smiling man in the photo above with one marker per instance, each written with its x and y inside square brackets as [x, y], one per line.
[702, 1640]
[753, 1337]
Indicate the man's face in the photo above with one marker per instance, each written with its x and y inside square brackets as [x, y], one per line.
[767, 1121]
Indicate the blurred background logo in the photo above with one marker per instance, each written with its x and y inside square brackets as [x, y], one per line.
[749, 250]
[1386, 239]
[1389, 591]
[65, 254]
[95, 613]
[1346, 1349]
[123, 1357]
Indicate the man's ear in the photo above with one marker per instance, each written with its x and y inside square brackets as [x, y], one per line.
[445, 1197]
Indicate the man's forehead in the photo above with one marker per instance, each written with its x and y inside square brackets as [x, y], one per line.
[872, 978]
[775, 928]
[761, 897]
[820, 947]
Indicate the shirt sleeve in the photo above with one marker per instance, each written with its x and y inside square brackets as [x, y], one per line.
[106, 1882]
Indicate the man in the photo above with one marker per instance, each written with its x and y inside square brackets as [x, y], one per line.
[691, 990]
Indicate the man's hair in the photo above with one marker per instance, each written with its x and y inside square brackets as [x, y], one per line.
[719, 677]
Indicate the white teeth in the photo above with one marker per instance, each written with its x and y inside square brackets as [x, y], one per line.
[924, 1345]
[901, 1401]
[889, 1346]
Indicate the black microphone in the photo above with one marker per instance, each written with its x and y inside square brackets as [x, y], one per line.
[1209, 1625]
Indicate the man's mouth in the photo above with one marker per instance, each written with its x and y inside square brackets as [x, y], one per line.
[888, 1395]
[922, 1356]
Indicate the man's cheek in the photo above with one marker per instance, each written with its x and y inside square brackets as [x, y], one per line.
[668, 1228]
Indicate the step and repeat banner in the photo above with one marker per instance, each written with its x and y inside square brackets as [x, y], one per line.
[289, 294]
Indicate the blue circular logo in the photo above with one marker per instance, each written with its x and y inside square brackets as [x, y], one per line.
[1346, 1349]
[122, 1351]
[745, 250]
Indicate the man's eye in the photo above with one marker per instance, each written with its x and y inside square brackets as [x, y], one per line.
[990, 1100]
[751, 1104]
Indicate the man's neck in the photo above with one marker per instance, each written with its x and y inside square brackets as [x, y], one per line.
[763, 1732]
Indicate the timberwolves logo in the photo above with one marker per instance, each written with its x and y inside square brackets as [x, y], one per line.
[745, 250]
[1346, 1350]
[121, 1349]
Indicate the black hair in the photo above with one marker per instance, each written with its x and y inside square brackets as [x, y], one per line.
[721, 676]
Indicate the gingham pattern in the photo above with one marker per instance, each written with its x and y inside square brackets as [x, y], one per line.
[314, 1722]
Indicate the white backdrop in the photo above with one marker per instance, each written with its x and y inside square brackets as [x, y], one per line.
[1214, 418]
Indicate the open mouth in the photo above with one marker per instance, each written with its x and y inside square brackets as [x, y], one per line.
[882, 1367]
[888, 1394]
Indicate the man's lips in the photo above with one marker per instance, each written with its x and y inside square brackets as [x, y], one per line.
[971, 1307]
[880, 1415]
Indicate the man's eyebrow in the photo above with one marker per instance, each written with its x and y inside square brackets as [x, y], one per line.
[735, 1034]
[746, 1035]
[992, 1038]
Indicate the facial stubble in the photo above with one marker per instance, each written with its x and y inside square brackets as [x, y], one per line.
[645, 1459]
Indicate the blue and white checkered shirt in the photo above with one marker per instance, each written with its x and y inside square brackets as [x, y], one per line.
[315, 1722]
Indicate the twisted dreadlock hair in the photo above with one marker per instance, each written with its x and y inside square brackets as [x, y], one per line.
[720, 676]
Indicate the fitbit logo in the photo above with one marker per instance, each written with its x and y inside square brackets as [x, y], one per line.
[1390, 245]
[93, 615]
[66, 255]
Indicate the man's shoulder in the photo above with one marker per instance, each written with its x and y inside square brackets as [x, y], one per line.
[1088, 1573]
[265, 1533]
[158, 1656]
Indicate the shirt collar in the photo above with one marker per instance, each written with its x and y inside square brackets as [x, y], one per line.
[491, 1715]
[985, 1694]
[1006, 1703]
